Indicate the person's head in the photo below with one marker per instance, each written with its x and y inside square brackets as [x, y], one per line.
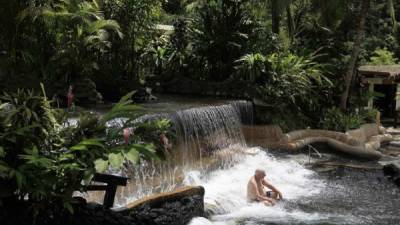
[259, 174]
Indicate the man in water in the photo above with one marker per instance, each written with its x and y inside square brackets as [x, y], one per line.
[256, 192]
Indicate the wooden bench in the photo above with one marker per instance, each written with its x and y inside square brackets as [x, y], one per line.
[112, 182]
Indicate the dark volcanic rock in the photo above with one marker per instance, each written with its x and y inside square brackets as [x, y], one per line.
[19, 213]
[176, 208]
[143, 95]
[392, 170]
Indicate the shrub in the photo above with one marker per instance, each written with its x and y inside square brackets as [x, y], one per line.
[335, 119]
[220, 36]
[293, 85]
[251, 66]
[383, 57]
[44, 161]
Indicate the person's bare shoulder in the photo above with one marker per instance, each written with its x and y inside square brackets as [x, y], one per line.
[253, 182]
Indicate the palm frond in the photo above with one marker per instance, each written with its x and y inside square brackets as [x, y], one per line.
[123, 109]
[392, 13]
[110, 25]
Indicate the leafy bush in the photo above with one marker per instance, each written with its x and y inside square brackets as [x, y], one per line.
[337, 120]
[220, 36]
[293, 85]
[383, 57]
[81, 34]
[154, 131]
[169, 55]
[251, 66]
[43, 160]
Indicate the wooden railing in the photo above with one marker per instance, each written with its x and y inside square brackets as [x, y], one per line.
[112, 182]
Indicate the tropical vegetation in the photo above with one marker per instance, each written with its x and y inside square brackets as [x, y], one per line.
[298, 57]
[44, 157]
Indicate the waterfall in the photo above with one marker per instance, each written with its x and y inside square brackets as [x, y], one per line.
[207, 138]
[203, 131]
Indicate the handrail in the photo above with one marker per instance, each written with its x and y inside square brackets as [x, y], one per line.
[112, 182]
[310, 147]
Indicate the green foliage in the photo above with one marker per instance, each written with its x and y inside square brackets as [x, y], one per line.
[57, 41]
[251, 65]
[169, 56]
[294, 85]
[44, 160]
[137, 19]
[152, 131]
[220, 36]
[383, 57]
[80, 34]
[337, 120]
[291, 78]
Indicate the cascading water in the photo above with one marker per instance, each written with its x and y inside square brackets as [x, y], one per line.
[207, 137]
[226, 193]
[203, 131]
[212, 152]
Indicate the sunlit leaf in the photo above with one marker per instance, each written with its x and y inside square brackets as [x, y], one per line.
[100, 165]
[115, 160]
[132, 155]
[78, 147]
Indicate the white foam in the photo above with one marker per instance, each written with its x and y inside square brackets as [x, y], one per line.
[226, 189]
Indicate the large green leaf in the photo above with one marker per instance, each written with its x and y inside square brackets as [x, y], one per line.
[132, 155]
[147, 150]
[92, 142]
[79, 147]
[100, 165]
[115, 160]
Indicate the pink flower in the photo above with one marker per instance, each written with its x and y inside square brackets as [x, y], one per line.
[127, 134]
[70, 96]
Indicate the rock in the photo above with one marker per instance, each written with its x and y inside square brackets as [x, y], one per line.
[395, 143]
[143, 95]
[392, 170]
[213, 209]
[177, 207]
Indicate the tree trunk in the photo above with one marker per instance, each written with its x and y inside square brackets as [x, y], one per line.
[275, 13]
[290, 23]
[365, 4]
